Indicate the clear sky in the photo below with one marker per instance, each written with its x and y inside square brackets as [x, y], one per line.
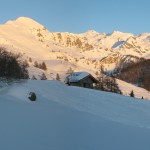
[81, 15]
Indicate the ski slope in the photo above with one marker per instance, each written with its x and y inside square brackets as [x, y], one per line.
[71, 118]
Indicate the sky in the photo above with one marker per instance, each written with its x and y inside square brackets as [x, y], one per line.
[77, 16]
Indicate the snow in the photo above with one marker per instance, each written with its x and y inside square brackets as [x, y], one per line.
[65, 117]
[118, 44]
[24, 22]
[126, 89]
[20, 36]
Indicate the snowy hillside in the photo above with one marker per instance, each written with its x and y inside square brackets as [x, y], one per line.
[81, 52]
[65, 117]
[61, 51]
[126, 89]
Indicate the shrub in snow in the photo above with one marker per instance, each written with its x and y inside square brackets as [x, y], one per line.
[30, 60]
[70, 71]
[33, 78]
[11, 66]
[32, 96]
[41, 66]
[39, 34]
[43, 76]
[132, 94]
[57, 77]
[36, 64]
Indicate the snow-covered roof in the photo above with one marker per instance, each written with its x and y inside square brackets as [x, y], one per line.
[77, 76]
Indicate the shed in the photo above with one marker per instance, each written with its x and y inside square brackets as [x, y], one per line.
[81, 79]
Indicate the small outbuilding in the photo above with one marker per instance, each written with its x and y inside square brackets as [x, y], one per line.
[81, 79]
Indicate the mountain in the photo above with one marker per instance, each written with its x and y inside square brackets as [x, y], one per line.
[62, 50]
[65, 117]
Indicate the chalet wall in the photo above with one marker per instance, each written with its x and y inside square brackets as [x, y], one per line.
[86, 82]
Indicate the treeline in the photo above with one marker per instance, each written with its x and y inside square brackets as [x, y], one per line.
[107, 83]
[11, 66]
[137, 73]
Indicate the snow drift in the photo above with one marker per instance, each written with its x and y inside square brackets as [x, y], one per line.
[65, 117]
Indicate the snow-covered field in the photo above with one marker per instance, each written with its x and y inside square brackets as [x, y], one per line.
[71, 118]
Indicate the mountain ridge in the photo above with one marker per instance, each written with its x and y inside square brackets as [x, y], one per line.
[63, 50]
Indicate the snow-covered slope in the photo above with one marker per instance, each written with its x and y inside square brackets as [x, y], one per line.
[60, 51]
[65, 117]
[126, 89]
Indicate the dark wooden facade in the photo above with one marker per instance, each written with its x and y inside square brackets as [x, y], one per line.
[86, 82]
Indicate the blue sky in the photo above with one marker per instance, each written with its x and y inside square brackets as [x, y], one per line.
[81, 15]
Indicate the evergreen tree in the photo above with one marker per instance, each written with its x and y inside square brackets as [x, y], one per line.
[36, 64]
[114, 86]
[43, 76]
[100, 85]
[70, 71]
[43, 66]
[132, 94]
[57, 77]
[26, 63]
[100, 78]
[106, 83]
[30, 59]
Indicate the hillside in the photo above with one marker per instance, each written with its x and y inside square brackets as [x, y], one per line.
[65, 117]
[81, 52]
[137, 73]
[85, 51]
[126, 89]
